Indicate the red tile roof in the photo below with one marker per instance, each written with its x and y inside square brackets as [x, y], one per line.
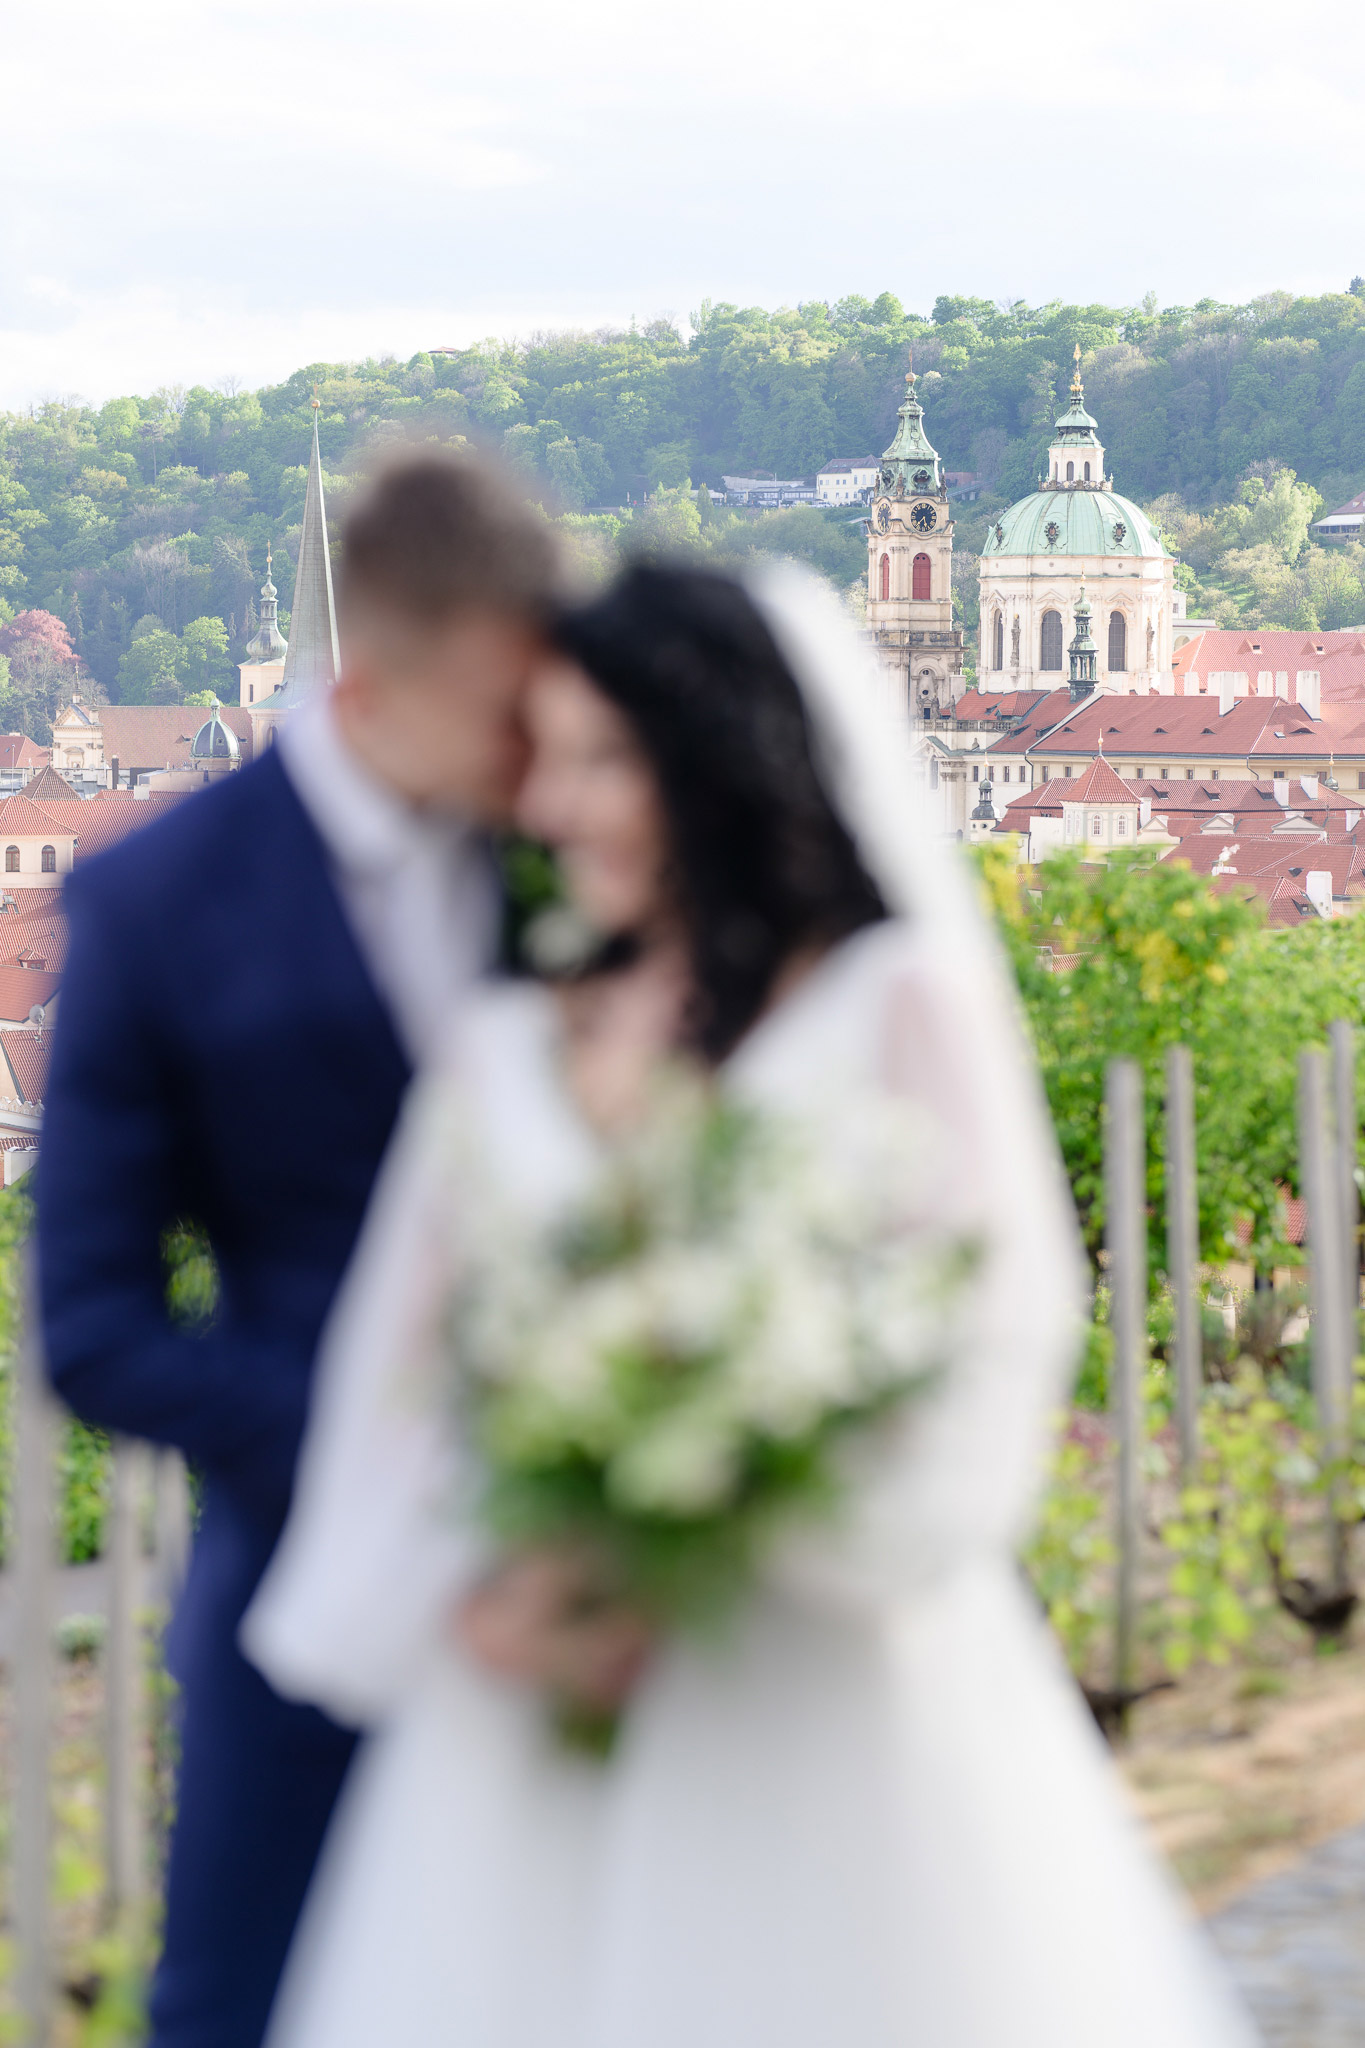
[1189, 806]
[21, 988]
[1240, 853]
[28, 903]
[18, 751]
[47, 783]
[1051, 707]
[27, 1054]
[152, 736]
[1264, 731]
[101, 821]
[1339, 659]
[1100, 785]
[20, 818]
[34, 941]
[977, 704]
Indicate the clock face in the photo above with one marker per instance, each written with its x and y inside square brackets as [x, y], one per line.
[923, 518]
[883, 516]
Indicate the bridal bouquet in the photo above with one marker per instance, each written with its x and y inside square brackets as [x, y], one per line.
[666, 1374]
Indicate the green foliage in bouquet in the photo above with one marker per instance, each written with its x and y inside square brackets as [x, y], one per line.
[666, 1375]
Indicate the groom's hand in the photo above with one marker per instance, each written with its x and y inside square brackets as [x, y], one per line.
[545, 1619]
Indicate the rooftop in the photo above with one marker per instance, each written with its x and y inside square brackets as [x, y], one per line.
[17, 750]
[1339, 659]
[1099, 785]
[1072, 522]
[1254, 729]
[27, 1054]
[146, 737]
[21, 988]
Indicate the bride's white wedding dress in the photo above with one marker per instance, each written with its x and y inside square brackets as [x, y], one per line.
[878, 1816]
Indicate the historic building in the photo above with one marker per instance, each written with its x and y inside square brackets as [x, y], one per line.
[1075, 532]
[263, 670]
[311, 656]
[910, 569]
[127, 746]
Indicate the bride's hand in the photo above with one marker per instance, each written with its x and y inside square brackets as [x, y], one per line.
[544, 1619]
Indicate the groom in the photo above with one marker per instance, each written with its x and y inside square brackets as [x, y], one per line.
[251, 982]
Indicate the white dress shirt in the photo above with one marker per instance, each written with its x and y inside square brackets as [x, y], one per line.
[416, 886]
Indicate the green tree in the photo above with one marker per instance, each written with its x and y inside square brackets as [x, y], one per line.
[201, 662]
[1159, 958]
[669, 524]
[149, 672]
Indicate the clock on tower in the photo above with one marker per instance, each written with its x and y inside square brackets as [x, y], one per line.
[909, 569]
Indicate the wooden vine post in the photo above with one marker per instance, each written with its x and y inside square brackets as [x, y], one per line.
[1126, 1240]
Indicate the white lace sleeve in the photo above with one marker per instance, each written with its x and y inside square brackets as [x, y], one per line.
[374, 1551]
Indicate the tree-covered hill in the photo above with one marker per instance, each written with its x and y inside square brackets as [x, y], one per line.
[143, 521]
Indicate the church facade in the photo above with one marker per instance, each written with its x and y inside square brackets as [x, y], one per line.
[910, 570]
[1076, 533]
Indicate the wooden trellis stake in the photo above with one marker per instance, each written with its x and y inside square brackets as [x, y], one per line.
[1125, 1233]
[32, 1676]
[1182, 1252]
[1319, 1160]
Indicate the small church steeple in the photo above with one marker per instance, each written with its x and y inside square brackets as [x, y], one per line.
[1082, 653]
[267, 643]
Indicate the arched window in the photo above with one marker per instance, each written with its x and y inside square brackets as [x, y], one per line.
[919, 577]
[1087, 472]
[998, 654]
[49, 860]
[1118, 642]
[11, 860]
[886, 577]
[1050, 649]
[1071, 472]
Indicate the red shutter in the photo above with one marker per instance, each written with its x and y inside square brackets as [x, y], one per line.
[920, 584]
[886, 576]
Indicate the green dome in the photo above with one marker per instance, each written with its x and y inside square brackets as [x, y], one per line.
[1083, 522]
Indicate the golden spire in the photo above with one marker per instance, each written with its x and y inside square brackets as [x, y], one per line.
[317, 402]
[910, 373]
[1077, 389]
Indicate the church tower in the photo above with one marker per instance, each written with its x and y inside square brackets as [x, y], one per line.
[263, 670]
[312, 657]
[910, 569]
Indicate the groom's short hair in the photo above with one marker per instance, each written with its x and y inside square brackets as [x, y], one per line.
[437, 532]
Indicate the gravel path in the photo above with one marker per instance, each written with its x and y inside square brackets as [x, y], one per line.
[1296, 1946]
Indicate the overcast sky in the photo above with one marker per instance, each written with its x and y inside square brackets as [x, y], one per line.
[195, 192]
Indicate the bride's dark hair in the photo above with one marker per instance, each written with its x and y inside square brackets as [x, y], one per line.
[763, 865]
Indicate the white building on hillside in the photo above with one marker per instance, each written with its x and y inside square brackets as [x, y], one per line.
[847, 480]
[1343, 524]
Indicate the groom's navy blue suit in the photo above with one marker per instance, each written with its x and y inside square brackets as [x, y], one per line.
[222, 1055]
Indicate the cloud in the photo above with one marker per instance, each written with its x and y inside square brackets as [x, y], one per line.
[242, 187]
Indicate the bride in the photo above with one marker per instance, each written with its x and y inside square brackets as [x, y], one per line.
[875, 1813]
